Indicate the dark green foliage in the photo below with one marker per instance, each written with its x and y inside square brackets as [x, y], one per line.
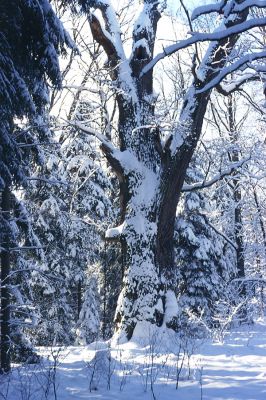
[201, 262]
[31, 38]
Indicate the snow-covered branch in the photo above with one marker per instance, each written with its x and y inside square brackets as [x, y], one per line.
[92, 132]
[245, 60]
[204, 37]
[235, 84]
[111, 33]
[109, 37]
[216, 178]
[112, 28]
[103, 38]
[226, 238]
[208, 9]
[224, 7]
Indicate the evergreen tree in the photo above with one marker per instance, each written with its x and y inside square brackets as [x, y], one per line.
[31, 37]
[70, 217]
[202, 267]
[88, 326]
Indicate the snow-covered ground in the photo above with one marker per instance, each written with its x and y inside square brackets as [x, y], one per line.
[149, 368]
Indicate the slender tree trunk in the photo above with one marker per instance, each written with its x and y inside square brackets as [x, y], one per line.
[263, 231]
[258, 258]
[237, 195]
[79, 298]
[239, 231]
[5, 294]
[238, 221]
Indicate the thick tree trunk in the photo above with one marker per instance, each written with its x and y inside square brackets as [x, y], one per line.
[140, 296]
[5, 294]
[151, 175]
[154, 189]
[173, 176]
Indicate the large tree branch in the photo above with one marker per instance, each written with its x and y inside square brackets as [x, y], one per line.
[101, 36]
[112, 26]
[109, 37]
[208, 9]
[195, 102]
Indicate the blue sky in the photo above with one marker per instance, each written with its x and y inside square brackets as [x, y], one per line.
[189, 3]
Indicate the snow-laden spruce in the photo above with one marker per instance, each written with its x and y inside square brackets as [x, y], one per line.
[31, 38]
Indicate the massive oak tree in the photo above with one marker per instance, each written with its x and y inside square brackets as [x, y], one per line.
[151, 168]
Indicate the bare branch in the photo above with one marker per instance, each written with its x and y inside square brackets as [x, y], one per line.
[191, 30]
[226, 238]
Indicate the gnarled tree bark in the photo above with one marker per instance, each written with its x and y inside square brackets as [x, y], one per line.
[151, 174]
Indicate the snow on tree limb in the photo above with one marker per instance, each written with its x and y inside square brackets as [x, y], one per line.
[235, 84]
[109, 37]
[218, 177]
[90, 131]
[122, 162]
[103, 37]
[245, 60]
[221, 7]
[207, 9]
[111, 33]
[204, 37]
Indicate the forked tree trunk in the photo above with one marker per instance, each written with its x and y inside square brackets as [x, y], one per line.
[151, 174]
[147, 231]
